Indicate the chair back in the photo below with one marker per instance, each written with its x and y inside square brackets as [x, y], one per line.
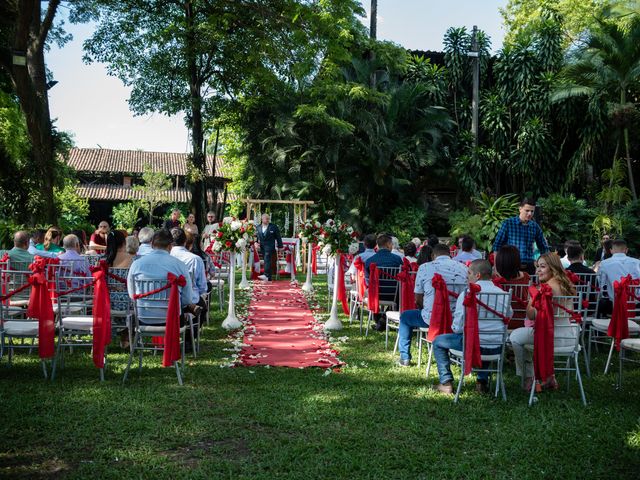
[566, 329]
[519, 300]
[492, 329]
[633, 306]
[412, 274]
[151, 310]
[14, 309]
[93, 259]
[120, 300]
[73, 293]
[389, 287]
[457, 288]
[589, 286]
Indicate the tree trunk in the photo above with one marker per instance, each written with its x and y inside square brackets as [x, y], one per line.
[198, 203]
[623, 102]
[31, 88]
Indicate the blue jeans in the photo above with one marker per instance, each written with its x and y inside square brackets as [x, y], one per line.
[409, 319]
[453, 341]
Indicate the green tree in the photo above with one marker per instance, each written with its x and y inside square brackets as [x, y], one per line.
[154, 191]
[607, 68]
[125, 214]
[195, 57]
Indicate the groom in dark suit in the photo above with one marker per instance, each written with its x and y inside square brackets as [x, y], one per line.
[268, 236]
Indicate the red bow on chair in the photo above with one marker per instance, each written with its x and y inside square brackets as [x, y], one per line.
[472, 357]
[543, 331]
[619, 324]
[342, 292]
[101, 312]
[374, 288]
[360, 278]
[441, 312]
[407, 285]
[314, 258]
[41, 308]
[171, 352]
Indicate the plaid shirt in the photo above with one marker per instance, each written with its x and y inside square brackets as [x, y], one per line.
[521, 235]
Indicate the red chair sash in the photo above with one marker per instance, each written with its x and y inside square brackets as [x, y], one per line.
[374, 288]
[360, 278]
[407, 285]
[543, 332]
[472, 356]
[314, 259]
[619, 324]
[40, 306]
[101, 312]
[441, 312]
[342, 292]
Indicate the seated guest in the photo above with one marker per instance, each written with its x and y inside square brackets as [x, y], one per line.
[417, 242]
[195, 265]
[116, 253]
[612, 269]
[490, 327]
[132, 244]
[369, 242]
[410, 250]
[433, 240]
[79, 266]
[156, 265]
[507, 266]
[425, 255]
[144, 237]
[575, 255]
[564, 259]
[173, 221]
[549, 271]
[190, 225]
[37, 237]
[467, 253]
[98, 240]
[396, 247]
[51, 241]
[382, 258]
[453, 273]
[193, 245]
[19, 256]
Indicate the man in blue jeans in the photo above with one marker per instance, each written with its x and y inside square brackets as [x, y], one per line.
[490, 326]
[453, 273]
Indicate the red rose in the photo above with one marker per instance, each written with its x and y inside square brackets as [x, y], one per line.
[354, 235]
[228, 243]
[220, 224]
[220, 234]
[241, 229]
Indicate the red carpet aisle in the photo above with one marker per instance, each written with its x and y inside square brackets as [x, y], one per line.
[282, 332]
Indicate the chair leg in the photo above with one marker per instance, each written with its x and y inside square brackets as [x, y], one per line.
[606, 367]
[533, 389]
[568, 373]
[419, 348]
[177, 365]
[587, 367]
[429, 358]
[460, 381]
[366, 333]
[579, 377]
[397, 342]
[44, 369]
[102, 374]
[126, 370]
[386, 335]
[620, 360]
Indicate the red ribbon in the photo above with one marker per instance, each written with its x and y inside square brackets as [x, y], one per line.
[360, 278]
[41, 308]
[407, 285]
[171, 352]
[374, 288]
[255, 268]
[619, 324]
[101, 312]
[314, 258]
[472, 357]
[441, 312]
[342, 292]
[4, 264]
[543, 331]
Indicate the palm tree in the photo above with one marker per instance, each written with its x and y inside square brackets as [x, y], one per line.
[607, 66]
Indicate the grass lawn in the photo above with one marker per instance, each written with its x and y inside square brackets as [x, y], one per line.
[371, 420]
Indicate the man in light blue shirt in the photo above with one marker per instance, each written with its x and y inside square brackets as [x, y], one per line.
[453, 273]
[194, 263]
[467, 253]
[613, 269]
[79, 266]
[155, 266]
[145, 235]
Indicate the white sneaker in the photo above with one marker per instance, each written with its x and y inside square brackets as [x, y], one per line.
[262, 277]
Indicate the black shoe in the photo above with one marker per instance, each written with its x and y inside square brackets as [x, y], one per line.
[404, 362]
[380, 327]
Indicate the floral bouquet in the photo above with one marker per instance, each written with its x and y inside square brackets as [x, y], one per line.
[309, 231]
[337, 238]
[233, 235]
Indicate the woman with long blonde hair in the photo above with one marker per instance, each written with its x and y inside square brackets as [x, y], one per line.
[549, 270]
[51, 241]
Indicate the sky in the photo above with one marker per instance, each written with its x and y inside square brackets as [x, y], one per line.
[93, 107]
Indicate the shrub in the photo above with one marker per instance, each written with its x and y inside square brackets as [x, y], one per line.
[405, 223]
[567, 218]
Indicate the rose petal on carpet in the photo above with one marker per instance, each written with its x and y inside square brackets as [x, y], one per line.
[281, 331]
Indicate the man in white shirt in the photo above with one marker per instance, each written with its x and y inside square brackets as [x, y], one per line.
[78, 264]
[454, 273]
[145, 236]
[194, 264]
[613, 269]
[490, 327]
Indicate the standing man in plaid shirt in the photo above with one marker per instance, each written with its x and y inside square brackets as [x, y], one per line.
[521, 231]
